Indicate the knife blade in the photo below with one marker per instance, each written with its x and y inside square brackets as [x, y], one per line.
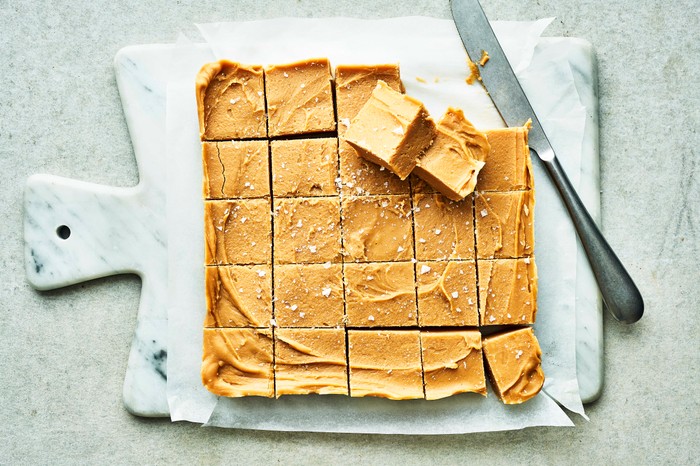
[620, 294]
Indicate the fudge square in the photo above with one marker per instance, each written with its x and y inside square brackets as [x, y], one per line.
[235, 169]
[309, 295]
[505, 226]
[508, 165]
[299, 97]
[447, 294]
[359, 176]
[354, 85]
[307, 230]
[231, 101]
[238, 362]
[514, 362]
[385, 363]
[444, 229]
[310, 361]
[392, 130]
[380, 294]
[452, 363]
[507, 291]
[237, 232]
[304, 167]
[377, 228]
[238, 296]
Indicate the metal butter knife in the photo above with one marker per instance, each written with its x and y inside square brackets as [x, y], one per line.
[620, 294]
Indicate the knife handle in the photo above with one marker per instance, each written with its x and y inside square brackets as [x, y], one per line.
[620, 295]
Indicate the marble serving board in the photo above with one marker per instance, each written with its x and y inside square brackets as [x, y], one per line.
[117, 230]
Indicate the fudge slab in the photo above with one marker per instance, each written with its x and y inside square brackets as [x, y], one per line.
[235, 169]
[507, 291]
[508, 165]
[505, 224]
[447, 294]
[237, 232]
[304, 167]
[238, 296]
[238, 362]
[444, 228]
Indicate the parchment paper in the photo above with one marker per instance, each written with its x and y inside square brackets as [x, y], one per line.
[426, 48]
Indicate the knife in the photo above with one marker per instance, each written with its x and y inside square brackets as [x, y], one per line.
[620, 295]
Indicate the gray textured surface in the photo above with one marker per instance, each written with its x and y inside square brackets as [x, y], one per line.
[63, 354]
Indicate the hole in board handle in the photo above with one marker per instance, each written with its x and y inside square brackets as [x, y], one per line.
[63, 232]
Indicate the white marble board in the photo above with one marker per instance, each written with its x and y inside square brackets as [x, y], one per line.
[122, 230]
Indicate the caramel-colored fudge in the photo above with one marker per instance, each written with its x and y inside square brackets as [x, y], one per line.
[508, 166]
[377, 228]
[307, 230]
[237, 232]
[507, 291]
[447, 294]
[514, 362]
[299, 97]
[452, 163]
[505, 224]
[452, 363]
[310, 361]
[359, 176]
[354, 85]
[231, 101]
[385, 363]
[309, 295]
[238, 296]
[235, 169]
[304, 167]
[418, 186]
[238, 362]
[380, 295]
[444, 229]
[392, 130]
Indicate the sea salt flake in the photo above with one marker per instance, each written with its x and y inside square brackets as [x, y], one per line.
[312, 249]
[302, 314]
[293, 307]
[327, 265]
[526, 260]
[518, 354]
[243, 219]
[484, 213]
[370, 318]
[438, 231]
[261, 273]
[421, 240]
[398, 130]
[455, 294]
[273, 322]
[492, 318]
[399, 249]
[424, 269]
[233, 101]
[286, 75]
[326, 291]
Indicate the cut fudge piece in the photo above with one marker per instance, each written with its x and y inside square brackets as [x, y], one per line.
[392, 130]
[507, 291]
[447, 294]
[514, 362]
[231, 101]
[444, 229]
[377, 228]
[235, 169]
[505, 226]
[310, 361]
[304, 167]
[307, 230]
[508, 166]
[354, 85]
[359, 176]
[299, 97]
[452, 363]
[452, 163]
[385, 363]
[380, 294]
[237, 232]
[238, 296]
[238, 362]
[309, 295]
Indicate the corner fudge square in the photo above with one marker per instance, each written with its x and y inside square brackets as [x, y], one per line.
[359, 176]
[444, 228]
[310, 361]
[238, 296]
[507, 291]
[385, 364]
[505, 224]
[309, 295]
[377, 228]
[380, 294]
[304, 167]
[235, 169]
[299, 97]
[508, 165]
[354, 85]
[452, 363]
[238, 362]
[307, 230]
[237, 232]
[231, 101]
[447, 294]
